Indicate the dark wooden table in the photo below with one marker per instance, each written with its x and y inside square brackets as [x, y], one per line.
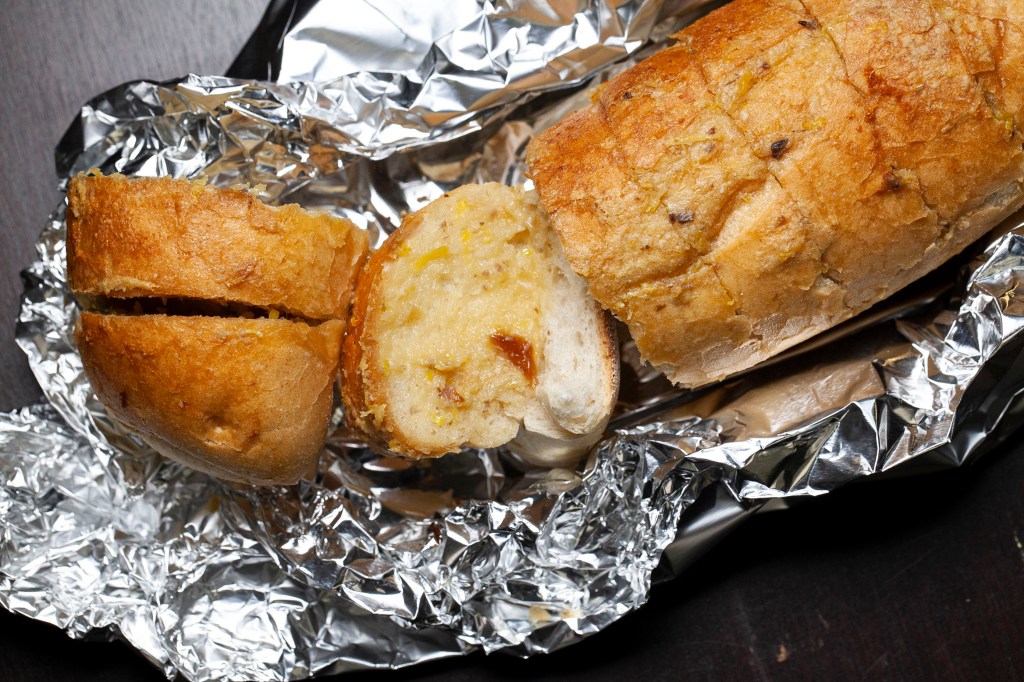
[913, 579]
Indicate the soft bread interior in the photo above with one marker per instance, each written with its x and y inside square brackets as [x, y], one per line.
[481, 331]
[577, 385]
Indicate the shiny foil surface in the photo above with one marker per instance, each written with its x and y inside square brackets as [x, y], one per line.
[384, 562]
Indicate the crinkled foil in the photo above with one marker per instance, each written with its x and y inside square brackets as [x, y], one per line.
[387, 75]
[383, 562]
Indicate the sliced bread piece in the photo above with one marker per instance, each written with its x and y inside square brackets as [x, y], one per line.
[243, 399]
[160, 237]
[470, 329]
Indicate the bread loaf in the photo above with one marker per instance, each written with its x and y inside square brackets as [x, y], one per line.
[469, 328]
[219, 325]
[784, 166]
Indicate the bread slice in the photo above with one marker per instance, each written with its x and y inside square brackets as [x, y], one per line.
[243, 399]
[470, 329]
[159, 237]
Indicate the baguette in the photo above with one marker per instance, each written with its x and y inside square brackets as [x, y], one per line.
[470, 329]
[217, 334]
[784, 166]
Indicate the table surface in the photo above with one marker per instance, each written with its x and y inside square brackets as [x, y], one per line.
[913, 579]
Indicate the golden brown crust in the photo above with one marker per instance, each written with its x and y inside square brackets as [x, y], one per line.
[242, 399]
[360, 388]
[801, 116]
[158, 237]
[593, 203]
[928, 109]
[785, 166]
[688, 160]
[990, 39]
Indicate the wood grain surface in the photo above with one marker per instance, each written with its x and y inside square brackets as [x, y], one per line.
[918, 579]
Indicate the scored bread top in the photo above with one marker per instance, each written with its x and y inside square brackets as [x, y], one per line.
[781, 168]
[159, 237]
[243, 399]
[990, 35]
[928, 109]
[468, 322]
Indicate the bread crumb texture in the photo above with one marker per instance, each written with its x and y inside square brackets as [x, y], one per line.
[453, 337]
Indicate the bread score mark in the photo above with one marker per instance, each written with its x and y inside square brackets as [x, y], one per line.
[183, 306]
[211, 323]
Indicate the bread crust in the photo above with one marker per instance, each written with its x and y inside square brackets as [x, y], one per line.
[359, 386]
[243, 399]
[160, 237]
[786, 165]
[929, 111]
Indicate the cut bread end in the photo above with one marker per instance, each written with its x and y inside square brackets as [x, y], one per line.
[246, 400]
[131, 238]
[470, 329]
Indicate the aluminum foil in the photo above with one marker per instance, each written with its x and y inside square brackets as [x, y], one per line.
[381, 562]
[387, 75]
